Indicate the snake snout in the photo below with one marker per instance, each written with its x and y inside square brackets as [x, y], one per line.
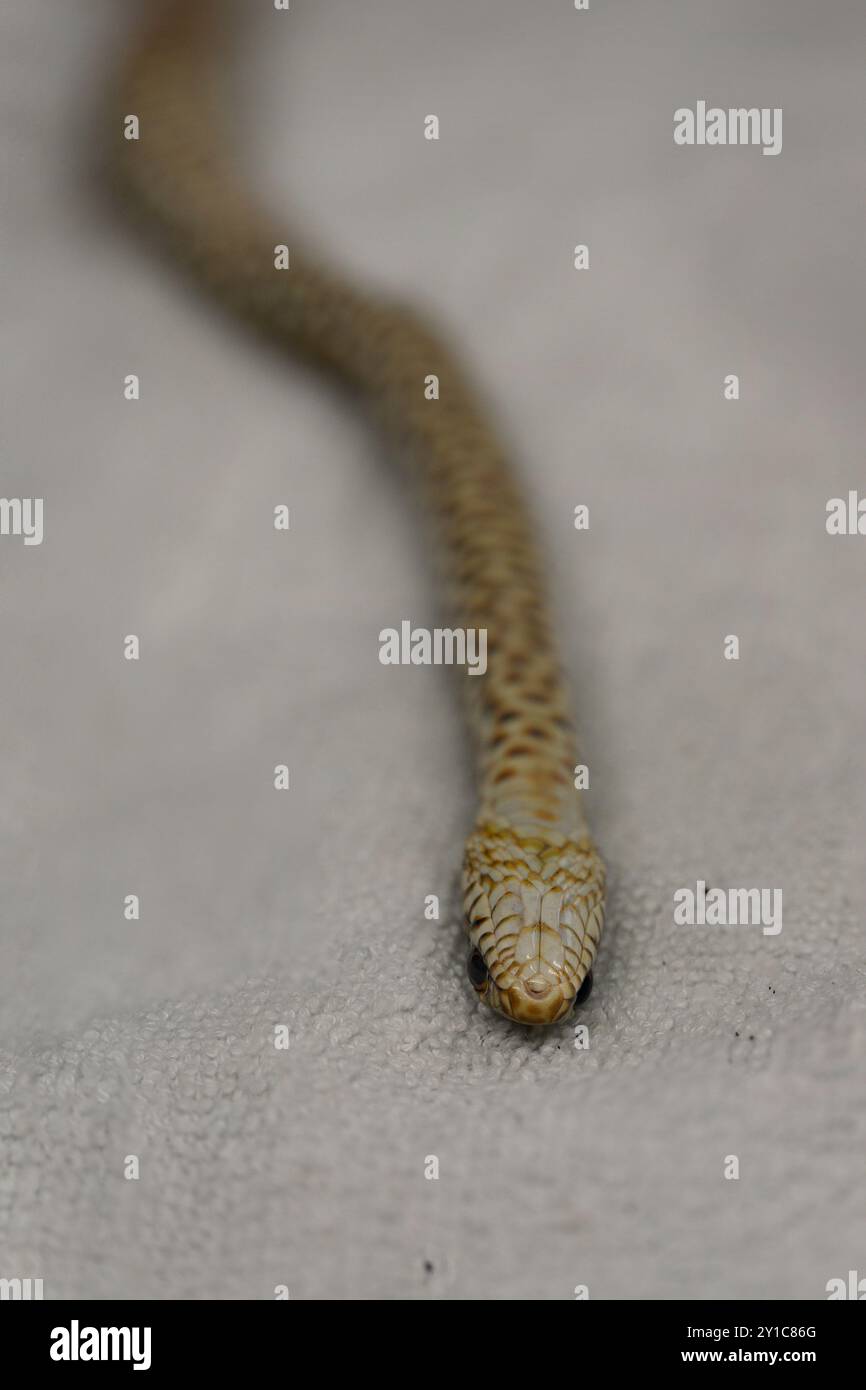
[535, 1001]
[538, 1000]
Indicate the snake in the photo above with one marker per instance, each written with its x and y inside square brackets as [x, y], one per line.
[533, 881]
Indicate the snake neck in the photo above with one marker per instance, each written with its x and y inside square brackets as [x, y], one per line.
[181, 174]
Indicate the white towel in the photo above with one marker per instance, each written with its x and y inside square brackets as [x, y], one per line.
[306, 1168]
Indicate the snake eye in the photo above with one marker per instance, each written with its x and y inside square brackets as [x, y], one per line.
[477, 970]
[585, 990]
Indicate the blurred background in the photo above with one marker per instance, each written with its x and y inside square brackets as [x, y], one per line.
[558, 1167]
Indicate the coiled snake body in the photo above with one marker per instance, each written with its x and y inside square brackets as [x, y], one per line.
[533, 882]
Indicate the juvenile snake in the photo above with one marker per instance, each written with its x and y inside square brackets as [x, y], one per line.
[533, 882]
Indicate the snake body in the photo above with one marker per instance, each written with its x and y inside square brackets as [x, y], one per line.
[533, 881]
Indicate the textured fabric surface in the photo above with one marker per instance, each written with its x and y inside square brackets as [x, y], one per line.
[557, 1166]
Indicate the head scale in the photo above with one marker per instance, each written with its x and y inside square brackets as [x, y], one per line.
[535, 909]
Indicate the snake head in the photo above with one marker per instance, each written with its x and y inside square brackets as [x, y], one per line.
[535, 910]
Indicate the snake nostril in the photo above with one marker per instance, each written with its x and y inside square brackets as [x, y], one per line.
[477, 970]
